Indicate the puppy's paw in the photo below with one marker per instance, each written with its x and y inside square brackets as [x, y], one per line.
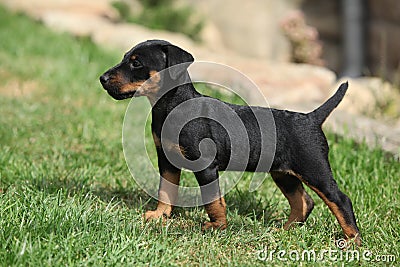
[357, 240]
[154, 215]
[214, 225]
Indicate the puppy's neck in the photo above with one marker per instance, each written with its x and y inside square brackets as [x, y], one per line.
[169, 95]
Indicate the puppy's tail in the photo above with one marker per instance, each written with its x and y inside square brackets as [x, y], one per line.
[321, 113]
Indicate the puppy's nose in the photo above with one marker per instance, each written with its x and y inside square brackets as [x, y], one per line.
[104, 78]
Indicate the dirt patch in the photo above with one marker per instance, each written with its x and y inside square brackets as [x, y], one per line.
[12, 86]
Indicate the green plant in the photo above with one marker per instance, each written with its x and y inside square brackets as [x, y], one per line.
[164, 15]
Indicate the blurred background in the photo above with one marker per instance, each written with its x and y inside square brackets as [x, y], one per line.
[289, 48]
[350, 37]
[357, 37]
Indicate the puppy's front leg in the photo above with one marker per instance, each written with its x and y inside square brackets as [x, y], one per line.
[211, 195]
[167, 195]
[169, 184]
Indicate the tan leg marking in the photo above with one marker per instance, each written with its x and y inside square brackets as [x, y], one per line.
[349, 230]
[301, 204]
[216, 211]
[167, 195]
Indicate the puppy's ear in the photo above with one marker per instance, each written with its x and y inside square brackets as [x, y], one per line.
[175, 56]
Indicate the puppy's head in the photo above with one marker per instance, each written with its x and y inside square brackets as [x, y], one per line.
[138, 72]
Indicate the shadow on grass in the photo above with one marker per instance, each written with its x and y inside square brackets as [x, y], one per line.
[253, 206]
[241, 205]
[132, 197]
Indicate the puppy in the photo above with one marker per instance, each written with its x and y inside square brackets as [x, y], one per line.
[299, 154]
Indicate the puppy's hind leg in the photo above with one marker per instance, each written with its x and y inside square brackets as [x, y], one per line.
[339, 203]
[301, 204]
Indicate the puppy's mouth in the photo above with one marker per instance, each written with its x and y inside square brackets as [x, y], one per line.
[115, 92]
[121, 96]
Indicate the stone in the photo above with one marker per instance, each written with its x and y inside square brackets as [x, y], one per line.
[250, 28]
[364, 129]
[101, 8]
[211, 37]
[372, 97]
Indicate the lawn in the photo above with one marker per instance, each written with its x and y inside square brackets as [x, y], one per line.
[67, 197]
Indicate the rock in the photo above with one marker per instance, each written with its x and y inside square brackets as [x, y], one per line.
[100, 8]
[129, 35]
[247, 27]
[364, 129]
[76, 23]
[372, 97]
[285, 85]
[211, 37]
[297, 86]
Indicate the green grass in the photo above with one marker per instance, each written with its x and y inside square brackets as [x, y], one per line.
[67, 198]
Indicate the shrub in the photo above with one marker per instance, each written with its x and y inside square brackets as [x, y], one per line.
[162, 15]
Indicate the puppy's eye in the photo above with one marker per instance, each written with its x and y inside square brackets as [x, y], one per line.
[135, 64]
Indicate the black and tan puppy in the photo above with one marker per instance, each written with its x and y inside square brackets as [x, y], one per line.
[301, 152]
